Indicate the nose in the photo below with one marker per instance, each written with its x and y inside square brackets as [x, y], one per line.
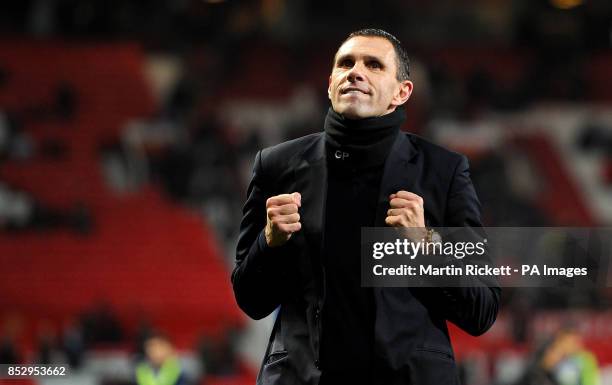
[356, 73]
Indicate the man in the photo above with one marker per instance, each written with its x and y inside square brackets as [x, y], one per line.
[161, 366]
[299, 236]
[562, 360]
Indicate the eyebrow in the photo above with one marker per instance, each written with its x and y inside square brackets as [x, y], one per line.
[365, 57]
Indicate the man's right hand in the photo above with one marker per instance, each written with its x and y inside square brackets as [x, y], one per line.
[282, 218]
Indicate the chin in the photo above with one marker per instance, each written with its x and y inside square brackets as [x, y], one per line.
[354, 112]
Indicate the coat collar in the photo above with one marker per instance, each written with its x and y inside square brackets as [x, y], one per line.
[402, 151]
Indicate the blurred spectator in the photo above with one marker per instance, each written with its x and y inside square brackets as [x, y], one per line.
[504, 203]
[8, 351]
[12, 325]
[181, 99]
[62, 105]
[73, 344]
[161, 366]
[143, 333]
[101, 326]
[20, 211]
[66, 100]
[14, 143]
[595, 137]
[562, 361]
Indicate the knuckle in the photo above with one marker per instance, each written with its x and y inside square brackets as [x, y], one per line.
[287, 209]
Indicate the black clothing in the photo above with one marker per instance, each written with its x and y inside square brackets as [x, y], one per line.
[366, 141]
[355, 159]
[411, 341]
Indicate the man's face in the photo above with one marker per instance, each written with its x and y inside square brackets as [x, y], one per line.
[158, 350]
[363, 82]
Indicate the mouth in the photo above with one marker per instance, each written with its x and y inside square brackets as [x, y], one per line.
[353, 90]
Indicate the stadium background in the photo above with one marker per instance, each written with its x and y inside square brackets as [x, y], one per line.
[128, 130]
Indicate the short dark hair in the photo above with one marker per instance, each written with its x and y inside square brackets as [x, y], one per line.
[401, 57]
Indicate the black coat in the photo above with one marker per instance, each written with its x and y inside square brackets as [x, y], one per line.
[411, 334]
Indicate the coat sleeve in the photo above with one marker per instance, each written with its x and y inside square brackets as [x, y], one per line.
[473, 308]
[259, 273]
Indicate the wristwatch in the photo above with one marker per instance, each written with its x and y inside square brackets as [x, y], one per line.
[433, 236]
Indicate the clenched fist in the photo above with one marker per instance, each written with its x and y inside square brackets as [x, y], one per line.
[282, 218]
[406, 210]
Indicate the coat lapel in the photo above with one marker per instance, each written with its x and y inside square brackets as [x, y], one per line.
[400, 173]
[311, 182]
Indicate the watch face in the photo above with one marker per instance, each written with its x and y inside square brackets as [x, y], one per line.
[436, 238]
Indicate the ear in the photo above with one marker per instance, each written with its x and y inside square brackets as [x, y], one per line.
[329, 82]
[403, 93]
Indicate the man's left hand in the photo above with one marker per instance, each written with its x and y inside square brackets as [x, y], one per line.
[406, 210]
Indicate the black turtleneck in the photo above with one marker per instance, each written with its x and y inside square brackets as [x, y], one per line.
[356, 152]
